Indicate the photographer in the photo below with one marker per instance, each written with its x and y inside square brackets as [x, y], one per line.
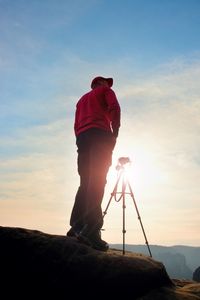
[96, 126]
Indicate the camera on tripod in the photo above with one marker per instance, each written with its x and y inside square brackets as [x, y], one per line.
[121, 162]
[124, 160]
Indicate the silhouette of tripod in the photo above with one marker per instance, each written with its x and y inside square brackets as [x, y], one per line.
[120, 167]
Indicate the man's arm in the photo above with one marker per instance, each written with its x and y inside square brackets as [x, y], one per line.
[114, 111]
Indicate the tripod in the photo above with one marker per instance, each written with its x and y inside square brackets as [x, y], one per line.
[120, 167]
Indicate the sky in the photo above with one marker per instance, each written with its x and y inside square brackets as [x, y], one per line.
[50, 50]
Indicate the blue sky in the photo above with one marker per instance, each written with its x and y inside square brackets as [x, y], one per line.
[49, 52]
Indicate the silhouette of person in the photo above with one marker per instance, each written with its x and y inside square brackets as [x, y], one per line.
[96, 126]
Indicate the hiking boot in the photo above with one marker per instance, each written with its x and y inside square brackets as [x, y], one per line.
[97, 236]
[72, 232]
[93, 240]
[84, 239]
[98, 243]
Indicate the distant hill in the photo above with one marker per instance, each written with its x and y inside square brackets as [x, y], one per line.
[180, 261]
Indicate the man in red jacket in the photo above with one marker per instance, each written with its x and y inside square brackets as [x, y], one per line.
[96, 126]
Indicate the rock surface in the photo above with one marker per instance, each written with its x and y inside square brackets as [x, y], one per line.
[34, 263]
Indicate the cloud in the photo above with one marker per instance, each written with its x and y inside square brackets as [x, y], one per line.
[39, 182]
[39, 164]
[166, 108]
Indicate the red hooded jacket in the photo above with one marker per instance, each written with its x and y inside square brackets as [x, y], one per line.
[99, 108]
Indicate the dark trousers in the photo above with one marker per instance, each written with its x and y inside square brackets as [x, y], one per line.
[95, 149]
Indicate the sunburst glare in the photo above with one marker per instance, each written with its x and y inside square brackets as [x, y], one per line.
[144, 169]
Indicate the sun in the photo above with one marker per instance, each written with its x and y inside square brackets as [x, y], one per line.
[144, 168]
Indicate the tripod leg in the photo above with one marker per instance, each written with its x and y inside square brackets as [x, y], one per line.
[123, 207]
[139, 218]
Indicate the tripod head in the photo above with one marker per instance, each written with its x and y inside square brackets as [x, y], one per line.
[122, 161]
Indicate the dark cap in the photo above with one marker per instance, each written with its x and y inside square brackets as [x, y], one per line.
[96, 79]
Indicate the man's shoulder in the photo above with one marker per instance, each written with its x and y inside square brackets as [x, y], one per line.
[100, 90]
[83, 97]
[93, 92]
